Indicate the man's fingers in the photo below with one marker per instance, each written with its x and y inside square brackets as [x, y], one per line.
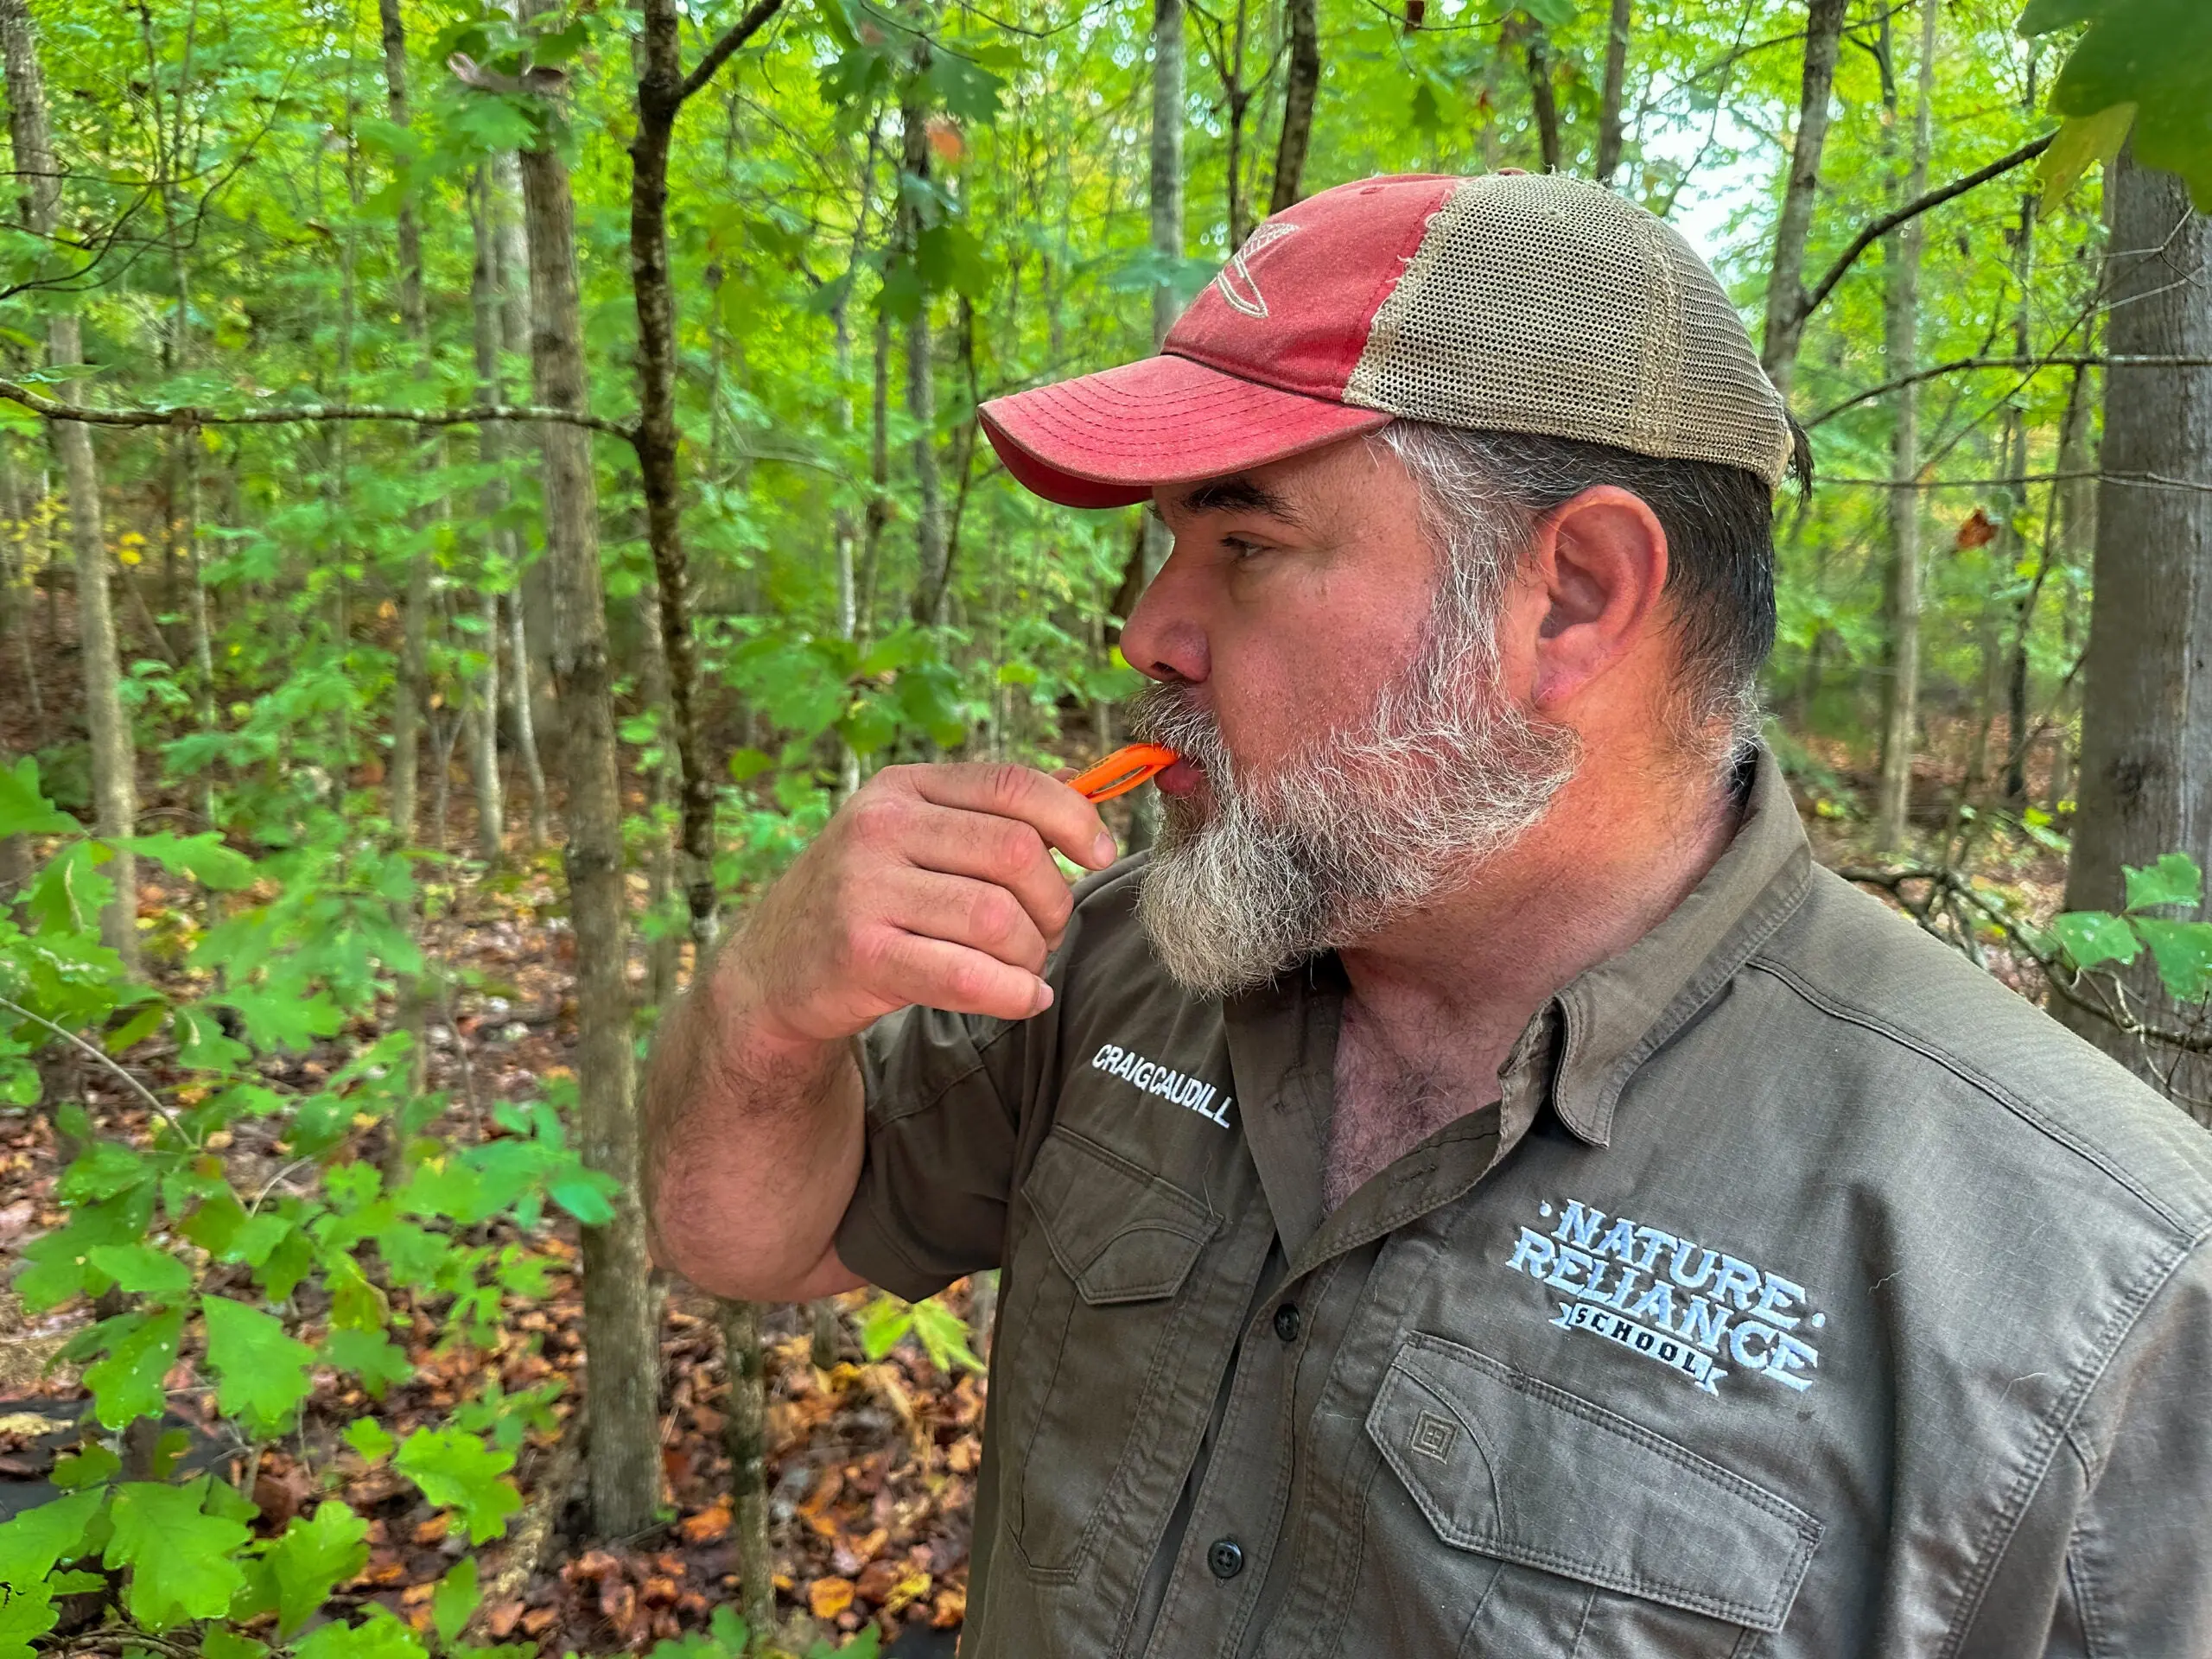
[1006, 852]
[1063, 818]
[940, 975]
[980, 915]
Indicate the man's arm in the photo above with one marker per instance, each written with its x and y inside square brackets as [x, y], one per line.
[933, 885]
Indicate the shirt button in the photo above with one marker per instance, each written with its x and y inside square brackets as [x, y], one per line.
[1226, 1557]
[1288, 1322]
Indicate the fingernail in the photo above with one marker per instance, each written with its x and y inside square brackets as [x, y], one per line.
[1044, 997]
[1105, 852]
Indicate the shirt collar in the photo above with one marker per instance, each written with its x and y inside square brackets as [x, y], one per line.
[1614, 1016]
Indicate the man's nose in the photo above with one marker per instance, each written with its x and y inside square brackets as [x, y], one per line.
[1165, 637]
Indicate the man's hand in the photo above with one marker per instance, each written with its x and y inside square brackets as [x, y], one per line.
[932, 885]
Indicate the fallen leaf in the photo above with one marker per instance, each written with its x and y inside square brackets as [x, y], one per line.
[433, 1531]
[502, 1618]
[710, 1526]
[949, 1609]
[538, 1620]
[827, 1597]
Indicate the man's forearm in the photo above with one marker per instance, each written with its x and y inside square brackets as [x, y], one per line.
[753, 1144]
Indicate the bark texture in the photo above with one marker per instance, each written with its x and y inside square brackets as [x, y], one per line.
[623, 1466]
[1300, 87]
[491, 505]
[1787, 303]
[115, 781]
[931, 550]
[2146, 722]
[1613, 88]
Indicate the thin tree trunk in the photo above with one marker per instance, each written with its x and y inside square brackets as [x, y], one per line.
[410, 693]
[1166, 185]
[1299, 89]
[1616, 84]
[2016, 678]
[623, 1466]
[1543, 96]
[115, 785]
[491, 505]
[930, 544]
[1785, 289]
[2146, 719]
[744, 1436]
[520, 702]
[1900, 341]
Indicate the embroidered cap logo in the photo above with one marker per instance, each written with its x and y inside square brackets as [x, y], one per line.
[1235, 279]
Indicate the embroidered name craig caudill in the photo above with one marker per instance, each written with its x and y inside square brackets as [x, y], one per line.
[1671, 1299]
[1153, 1078]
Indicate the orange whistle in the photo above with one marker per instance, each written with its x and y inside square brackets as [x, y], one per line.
[1123, 771]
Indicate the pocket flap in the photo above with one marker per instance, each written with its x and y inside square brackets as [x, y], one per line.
[1122, 1234]
[1511, 1467]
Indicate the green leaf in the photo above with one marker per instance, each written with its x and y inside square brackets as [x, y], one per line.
[455, 1599]
[127, 1384]
[378, 1636]
[2184, 953]
[219, 1643]
[34, 1540]
[884, 1323]
[456, 1471]
[201, 858]
[584, 1193]
[2156, 54]
[24, 810]
[943, 1338]
[26, 1614]
[370, 1438]
[67, 896]
[263, 1372]
[142, 1269]
[103, 1169]
[313, 1558]
[369, 1356]
[290, 1021]
[2174, 880]
[179, 1558]
[748, 763]
[2095, 937]
[2082, 141]
[87, 1467]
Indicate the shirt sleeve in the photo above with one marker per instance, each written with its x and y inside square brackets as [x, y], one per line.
[946, 1097]
[2138, 1565]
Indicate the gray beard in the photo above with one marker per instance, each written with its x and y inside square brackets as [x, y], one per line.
[1370, 826]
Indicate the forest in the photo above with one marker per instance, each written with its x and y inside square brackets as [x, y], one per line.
[481, 481]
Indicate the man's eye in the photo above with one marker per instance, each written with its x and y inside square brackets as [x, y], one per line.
[1240, 549]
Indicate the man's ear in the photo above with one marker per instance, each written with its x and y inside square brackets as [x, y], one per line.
[1601, 558]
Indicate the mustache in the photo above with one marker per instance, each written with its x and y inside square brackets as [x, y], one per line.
[1167, 712]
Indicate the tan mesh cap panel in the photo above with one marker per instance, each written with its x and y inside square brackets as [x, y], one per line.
[1552, 306]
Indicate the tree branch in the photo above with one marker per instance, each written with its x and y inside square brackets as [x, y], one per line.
[187, 416]
[1876, 230]
[740, 32]
[2022, 364]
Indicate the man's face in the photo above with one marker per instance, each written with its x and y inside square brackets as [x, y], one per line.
[1328, 667]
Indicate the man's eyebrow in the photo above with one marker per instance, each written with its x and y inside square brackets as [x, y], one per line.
[1235, 495]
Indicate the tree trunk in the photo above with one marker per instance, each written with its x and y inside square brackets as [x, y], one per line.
[115, 784]
[490, 503]
[930, 544]
[660, 97]
[1543, 97]
[1299, 89]
[623, 1467]
[1616, 85]
[1785, 288]
[1900, 341]
[411, 699]
[744, 1436]
[2146, 720]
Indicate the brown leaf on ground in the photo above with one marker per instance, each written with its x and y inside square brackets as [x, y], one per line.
[538, 1620]
[501, 1619]
[949, 1609]
[827, 1597]
[433, 1531]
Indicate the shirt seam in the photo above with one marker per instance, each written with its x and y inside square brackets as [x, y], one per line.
[895, 1114]
[1867, 1020]
[2158, 1272]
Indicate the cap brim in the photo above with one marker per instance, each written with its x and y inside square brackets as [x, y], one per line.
[1105, 440]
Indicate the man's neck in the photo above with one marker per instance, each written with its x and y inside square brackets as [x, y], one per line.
[1610, 859]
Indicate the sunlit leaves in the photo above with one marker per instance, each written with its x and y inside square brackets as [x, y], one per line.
[180, 1557]
[126, 1385]
[263, 1372]
[2154, 54]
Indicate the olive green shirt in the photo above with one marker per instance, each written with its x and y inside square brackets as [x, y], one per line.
[1806, 1292]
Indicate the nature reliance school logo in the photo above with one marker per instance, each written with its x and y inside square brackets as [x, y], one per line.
[1670, 1299]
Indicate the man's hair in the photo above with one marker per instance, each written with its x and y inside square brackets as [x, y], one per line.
[1719, 522]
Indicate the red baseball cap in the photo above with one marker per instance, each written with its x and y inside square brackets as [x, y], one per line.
[1511, 303]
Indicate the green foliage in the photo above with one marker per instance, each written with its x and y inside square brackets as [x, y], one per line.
[455, 1470]
[181, 1555]
[2181, 949]
[2152, 57]
[888, 1321]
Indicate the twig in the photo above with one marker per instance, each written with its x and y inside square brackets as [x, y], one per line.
[717, 54]
[2024, 364]
[188, 417]
[107, 1060]
[1876, 229]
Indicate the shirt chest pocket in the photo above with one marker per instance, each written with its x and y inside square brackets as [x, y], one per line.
[1547, 1526]
[1099, 1318]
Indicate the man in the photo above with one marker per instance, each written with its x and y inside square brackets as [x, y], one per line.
[1477, 1188]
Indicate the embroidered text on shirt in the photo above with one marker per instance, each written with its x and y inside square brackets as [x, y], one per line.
[1638, 1286]
[1153, 1078]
